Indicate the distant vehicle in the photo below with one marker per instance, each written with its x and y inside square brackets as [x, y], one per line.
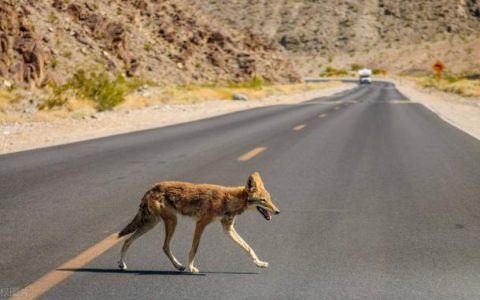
[365, 76]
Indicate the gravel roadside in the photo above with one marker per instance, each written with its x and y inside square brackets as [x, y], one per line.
[461, 112]
[25, 136]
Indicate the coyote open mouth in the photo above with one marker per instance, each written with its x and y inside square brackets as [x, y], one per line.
[264, 213]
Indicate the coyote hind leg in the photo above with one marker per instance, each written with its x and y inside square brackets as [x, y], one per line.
[170, 220]
[199, 228]
[147, 226]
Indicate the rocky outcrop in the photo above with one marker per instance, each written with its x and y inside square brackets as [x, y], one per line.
[113, 34]
[474, 7]
[31, 67]
[5, 61]
[334, 26]
[166, 41]
[21, 53]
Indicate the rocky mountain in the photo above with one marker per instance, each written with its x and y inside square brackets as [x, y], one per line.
[167, 41]
[325, 26]
[184, 41]
[399, 36]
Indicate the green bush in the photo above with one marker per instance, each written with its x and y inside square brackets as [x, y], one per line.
[98, 87]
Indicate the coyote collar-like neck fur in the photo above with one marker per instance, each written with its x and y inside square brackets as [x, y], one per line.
[237, 203]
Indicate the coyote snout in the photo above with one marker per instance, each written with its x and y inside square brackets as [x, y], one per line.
[204, 202]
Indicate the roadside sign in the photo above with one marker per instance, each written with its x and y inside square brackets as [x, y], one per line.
[438, 68]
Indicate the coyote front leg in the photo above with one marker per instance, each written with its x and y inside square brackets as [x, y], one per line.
[230, 230]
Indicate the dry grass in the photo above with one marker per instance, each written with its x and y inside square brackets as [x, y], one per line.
[9, 113]
[187, 94]
[6, 99]
[456, 85]
[77, 108]
[41, 116]
[11, 118]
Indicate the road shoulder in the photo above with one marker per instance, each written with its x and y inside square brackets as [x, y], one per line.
[26, 136]
[461, 112]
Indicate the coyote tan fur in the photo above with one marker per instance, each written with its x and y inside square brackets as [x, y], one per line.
[204, 202]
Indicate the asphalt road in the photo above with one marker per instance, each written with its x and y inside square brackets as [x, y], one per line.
[380, 199]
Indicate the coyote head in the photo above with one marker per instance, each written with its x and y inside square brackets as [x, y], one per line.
[259, 197]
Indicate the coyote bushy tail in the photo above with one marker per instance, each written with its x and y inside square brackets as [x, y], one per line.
[140, 219]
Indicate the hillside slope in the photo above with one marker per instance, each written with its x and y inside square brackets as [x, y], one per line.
[164, 41]
[330, 28]
[325, 26]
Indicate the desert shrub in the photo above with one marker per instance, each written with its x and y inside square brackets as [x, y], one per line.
[460, 90]
[333, 72]
[148, 47]
[100, 87]
[67, 54]
[60, 96]
[106, 93]
[54, 64]
[355, 67]
[427, 82]
[6, 99]
[452, 78]
[52, 18]
[255, 83]
[452, 84]
[379, 71]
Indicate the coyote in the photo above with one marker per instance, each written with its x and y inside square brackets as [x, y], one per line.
[206, 203]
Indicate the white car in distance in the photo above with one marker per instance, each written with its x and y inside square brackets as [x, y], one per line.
[365, 76]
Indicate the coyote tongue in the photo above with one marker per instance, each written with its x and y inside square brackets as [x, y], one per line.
[264, 213]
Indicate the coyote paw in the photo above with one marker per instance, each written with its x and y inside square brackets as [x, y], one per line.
[181, 268]
[122, 265]
[261, 264]
[193, 269]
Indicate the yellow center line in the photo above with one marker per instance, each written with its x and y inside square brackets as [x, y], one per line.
[53, 278]
[299, 127]
[251, 154]
[323, 115]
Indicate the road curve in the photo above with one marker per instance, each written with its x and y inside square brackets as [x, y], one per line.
[380, 199]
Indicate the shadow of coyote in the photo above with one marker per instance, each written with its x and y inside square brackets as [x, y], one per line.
[204, 202]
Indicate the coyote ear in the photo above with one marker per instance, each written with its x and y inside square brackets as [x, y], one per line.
[251, 184]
